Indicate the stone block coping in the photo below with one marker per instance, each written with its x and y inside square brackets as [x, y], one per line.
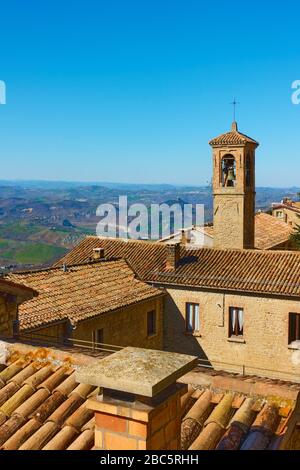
[144, 372]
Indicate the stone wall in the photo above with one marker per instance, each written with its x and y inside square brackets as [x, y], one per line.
[55, 332]
[8, 313]
[126, 327]
[234, 207]
[289, 216]
[264, 349]
[228, 221]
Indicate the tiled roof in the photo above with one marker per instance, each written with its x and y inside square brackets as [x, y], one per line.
[234, 137]
[268, 272]
[270, 231]
[232, 412]
[10, 287]
[41, 405]
[293, 206]
[82, 292]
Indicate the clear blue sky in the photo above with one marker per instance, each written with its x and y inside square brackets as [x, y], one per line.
[132, 90]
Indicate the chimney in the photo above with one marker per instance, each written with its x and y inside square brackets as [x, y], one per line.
[173, 256]
[98, 253]
[184, 238]
[139, 408]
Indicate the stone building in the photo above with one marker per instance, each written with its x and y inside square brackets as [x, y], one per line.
[287, 211]
[270, 234]
[100, 302]
[234, 189]
[237, 309]
[12, 295]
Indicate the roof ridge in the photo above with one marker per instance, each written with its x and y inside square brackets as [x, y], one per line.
[58, 268]
[232, 133]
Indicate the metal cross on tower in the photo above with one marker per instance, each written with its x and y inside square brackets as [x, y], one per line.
[234, 103]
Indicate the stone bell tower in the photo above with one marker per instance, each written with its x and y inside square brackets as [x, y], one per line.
[234, 189]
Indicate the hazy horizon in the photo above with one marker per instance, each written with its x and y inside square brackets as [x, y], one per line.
[134, 91]
[120, 183]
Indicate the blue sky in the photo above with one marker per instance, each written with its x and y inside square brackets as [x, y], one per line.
[131, 91]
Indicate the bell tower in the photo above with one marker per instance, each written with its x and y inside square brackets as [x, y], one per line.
[234, 189]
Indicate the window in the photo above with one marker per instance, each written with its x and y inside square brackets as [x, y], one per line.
[192, 318]
[236, 321]
[151, 323]
[97, 338]
[294, 327]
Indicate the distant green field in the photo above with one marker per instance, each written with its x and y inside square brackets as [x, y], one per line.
[18, 228]
[29, 243]
[4, 244]
[38, 253]
[30, 253]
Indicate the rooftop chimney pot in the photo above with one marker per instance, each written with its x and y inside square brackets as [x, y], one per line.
[173, 256]
[142, 403]
[98, 253]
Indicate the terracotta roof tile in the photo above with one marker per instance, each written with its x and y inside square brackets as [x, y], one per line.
[234, 137]
[82, 292]
[32, 403]
[84, 441]
[266, 272]
[225, 419]
[62, 439]
[40, 438]
[17, 288]
[270, 231]
[220, 416]
[44, 408]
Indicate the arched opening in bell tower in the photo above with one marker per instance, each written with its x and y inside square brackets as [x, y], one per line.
[228, 171]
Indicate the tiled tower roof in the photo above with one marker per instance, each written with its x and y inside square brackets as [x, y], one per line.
[234, 137]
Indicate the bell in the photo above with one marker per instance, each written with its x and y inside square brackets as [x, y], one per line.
[230, 177]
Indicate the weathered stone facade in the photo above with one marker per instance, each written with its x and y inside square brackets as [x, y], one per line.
[290, 215]
[8, 314]
[234, 207]
[124, 327]
[264, 348]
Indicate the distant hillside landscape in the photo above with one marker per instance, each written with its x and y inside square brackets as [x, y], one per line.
[40, 221]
